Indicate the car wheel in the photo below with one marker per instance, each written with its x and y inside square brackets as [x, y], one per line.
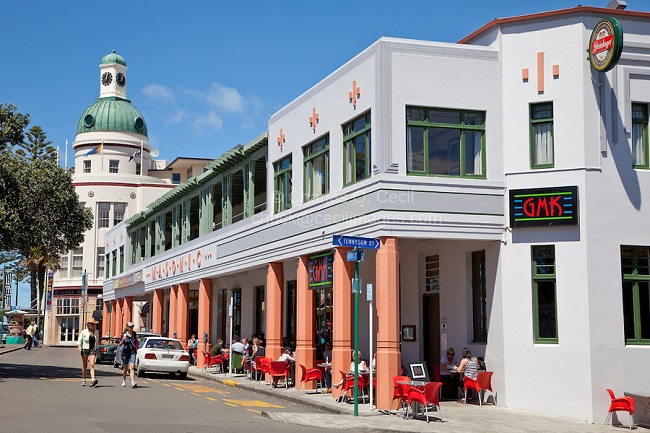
[172, 374]
[183, 375]
[139, 370]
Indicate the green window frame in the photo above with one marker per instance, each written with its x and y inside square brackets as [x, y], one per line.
[282, 184]
[357, 150]
[445, 142]
[640, 151]
[316, 168]
[635, 270]
[479, 297]
[544, 295]
[542, 151]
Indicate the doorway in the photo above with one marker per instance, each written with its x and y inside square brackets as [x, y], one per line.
[431, 332]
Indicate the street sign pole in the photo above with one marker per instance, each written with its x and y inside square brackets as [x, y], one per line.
[356, 287]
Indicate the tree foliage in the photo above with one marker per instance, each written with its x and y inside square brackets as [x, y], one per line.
[37, 146]
[12, 126]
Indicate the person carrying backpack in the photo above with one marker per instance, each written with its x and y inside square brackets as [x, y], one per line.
[129, 343]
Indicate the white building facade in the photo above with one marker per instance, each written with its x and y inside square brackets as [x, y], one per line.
[505, 180]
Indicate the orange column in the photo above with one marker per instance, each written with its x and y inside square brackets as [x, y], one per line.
[105, 320]
[388, 310]
[113, 319]
[205, 307]
[157, 310]
[183, 306]
[173, 306]
[128, 310]
[343, 272]
[274, 297]
[119, 320]
[305, 350]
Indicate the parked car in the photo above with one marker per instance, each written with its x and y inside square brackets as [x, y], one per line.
[161, 354]
[117, 362]
[106, 349]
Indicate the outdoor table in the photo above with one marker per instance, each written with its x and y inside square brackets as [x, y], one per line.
[640, 397]
[324, 364]
[415, 384]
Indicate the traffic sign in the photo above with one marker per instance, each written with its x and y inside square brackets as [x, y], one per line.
[356, 255]
[356, 242]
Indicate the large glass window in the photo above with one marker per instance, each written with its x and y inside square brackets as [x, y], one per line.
[67, 306]
[103, 215]
[63, 272]
[640, 135]
[541, 135]
[356, 150]
[316, 155]
[635, 267]
[118, 213]
[101, 262]
[544, 295]
[445, 142]
[282, 182]
[77, 262]
[479, 297]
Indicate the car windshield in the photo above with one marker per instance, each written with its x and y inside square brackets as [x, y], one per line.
[163, 344]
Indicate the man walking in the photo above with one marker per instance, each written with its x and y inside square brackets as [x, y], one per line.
[29, 334]
[35, 336]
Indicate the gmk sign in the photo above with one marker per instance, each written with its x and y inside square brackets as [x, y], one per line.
[605, 44]
[320, 271]
[544, 207]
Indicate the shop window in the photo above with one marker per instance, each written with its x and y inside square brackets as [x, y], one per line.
[544, 294]
[282, 183]
[479, 297]
[541, 135]
[444, 142]
[356, 150]
[635, 268]
[640, 135]
[316, 156]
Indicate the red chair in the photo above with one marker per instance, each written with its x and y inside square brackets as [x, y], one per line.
[310, 374]
[280, 369]
[206, 360]
[484, 380]
[263, 366]
[429, 396]
[436, 373]
[400, 391]
[469, 383]
[620, 404]
[218, 361]
[348, 385]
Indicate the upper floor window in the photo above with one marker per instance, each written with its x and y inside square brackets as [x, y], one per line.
[113, 166]
[640, 135]
[77, 262]
[282, 183]
[541, 135]
[138, 168]
[87, 166]
[176, 178]
[101, 262]
[118, 212]
[356, 150]
[103, 214]
[445, 142]
[635, 267]
[317, 168]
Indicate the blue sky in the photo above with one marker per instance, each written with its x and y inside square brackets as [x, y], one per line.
[207, 75]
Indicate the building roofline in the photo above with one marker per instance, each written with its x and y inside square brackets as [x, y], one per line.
[550, 14]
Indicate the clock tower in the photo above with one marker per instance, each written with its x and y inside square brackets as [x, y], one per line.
[112, 76]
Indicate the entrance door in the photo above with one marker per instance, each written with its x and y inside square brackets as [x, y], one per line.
[431, 334]
[69, 327]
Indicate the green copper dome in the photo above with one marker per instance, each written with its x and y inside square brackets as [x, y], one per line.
[112, 114]
[113, 58]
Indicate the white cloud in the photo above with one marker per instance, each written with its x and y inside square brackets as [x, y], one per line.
[177, 116]
[208, 123]
[225, 98]
[157, 93]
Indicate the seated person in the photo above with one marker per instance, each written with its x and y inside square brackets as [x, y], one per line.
[237, 346]
[468, 366]
[327, 375]
[361, 367]
[288, 358]
[217, 349]
[450, 380]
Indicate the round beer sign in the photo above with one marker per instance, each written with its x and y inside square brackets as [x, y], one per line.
[605, 44]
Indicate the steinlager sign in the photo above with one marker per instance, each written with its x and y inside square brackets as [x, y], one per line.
[605, 44]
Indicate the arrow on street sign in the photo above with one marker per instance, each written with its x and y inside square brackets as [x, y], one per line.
[356, 242]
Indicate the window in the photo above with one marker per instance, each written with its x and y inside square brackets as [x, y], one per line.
[138, 168]
[282, 173]
[107, 261]
[121, 259]
[356, 150]
[77, 262]
[67, 306]
[640, 135]
[189, 173]
[432, 273]
[541, 135]
[103, 214]
[63, 272]
[443, 142]
[113, 166]
[176, 178]
[544, 299]
[101, 261]
[479, 296]
[316, 155]
[635, 267]
[114, 263]
[118, 212]
[87, 167]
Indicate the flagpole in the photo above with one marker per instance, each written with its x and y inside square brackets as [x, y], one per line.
[141, 157]
[102, 153]
[66, 154]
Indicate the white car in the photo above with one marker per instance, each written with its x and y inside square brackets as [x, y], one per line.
[161, 354]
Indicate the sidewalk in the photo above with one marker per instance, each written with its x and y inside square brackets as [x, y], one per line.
[457, 417]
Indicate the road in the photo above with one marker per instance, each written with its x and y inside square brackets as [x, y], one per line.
[40, 391]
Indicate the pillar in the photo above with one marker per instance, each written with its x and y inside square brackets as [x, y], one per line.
[113, 320]
[274, 301]
[343, 271]
[305, 322]
[106, 319]
[128, 310]
[388, 310]
[157, 310]
[205, 324]
[183, 307]
[119, 319]
[173, 301]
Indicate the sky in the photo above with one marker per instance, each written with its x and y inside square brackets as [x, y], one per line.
[207, 75]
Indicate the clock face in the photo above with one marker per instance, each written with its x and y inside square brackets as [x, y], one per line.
[120, 79]
[107, 78]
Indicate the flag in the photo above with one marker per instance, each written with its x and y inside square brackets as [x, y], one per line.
[97, 149]
[136, 153]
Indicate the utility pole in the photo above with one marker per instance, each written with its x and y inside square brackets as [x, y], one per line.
[84, 296]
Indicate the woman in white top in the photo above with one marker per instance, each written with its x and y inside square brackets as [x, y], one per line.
[87, 343]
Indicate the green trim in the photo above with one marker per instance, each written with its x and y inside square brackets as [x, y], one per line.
[308, 172]
[543, 277]
[537, 108]
[636, 258]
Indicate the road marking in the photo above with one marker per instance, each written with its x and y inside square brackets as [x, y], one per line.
[229, 404]
[251, 403]
[254, 411]
[211, 399]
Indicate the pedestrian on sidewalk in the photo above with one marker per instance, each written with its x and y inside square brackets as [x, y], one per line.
[129, 343]
[87, 343]
[35, 336]
[29, 335]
